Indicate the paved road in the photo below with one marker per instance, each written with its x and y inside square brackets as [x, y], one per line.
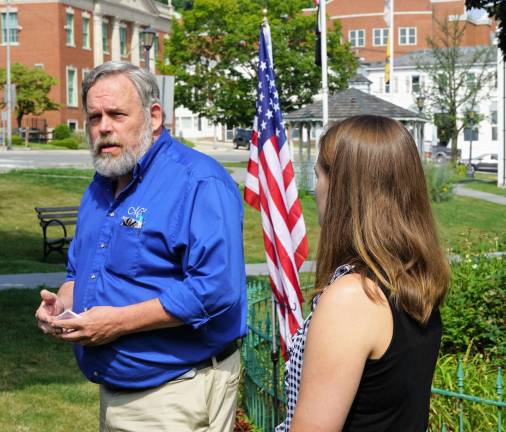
[223, 152]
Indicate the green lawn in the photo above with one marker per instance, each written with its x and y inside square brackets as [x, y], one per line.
[21, 236]
[41, 388]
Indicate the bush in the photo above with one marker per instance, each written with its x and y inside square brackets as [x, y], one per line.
[80, 137]
[480, 375]
[473, 312]
[17, 140]
[439, 183]
[61, 132]
[69, 143]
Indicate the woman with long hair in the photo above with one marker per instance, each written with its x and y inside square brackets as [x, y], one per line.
[364, 359]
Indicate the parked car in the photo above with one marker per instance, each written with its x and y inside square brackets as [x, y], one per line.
[242, 138]
[485, 162]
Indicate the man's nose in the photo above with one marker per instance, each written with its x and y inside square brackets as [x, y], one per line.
[105, 125]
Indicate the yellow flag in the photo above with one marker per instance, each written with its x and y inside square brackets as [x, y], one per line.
[387, 60]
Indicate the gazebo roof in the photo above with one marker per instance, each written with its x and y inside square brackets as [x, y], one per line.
[350, 102]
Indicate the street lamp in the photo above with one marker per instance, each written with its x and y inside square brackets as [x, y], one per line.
[147, 39]
[471, 121]
[420, 102]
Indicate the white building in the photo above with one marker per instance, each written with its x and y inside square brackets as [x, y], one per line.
[409, 82]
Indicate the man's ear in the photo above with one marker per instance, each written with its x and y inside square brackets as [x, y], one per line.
[156, 118]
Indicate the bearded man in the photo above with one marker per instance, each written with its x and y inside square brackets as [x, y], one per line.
[155, 270]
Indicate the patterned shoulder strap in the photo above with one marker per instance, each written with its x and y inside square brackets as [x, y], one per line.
[338, 272]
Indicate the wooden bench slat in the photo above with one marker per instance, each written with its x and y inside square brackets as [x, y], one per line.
[53, 209]
[58, 216]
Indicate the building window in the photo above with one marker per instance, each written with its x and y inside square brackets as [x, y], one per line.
[105, 36]
[380, 36]
[12, 25]
[141, 48]
[38, 65]
[407, 36]
[493, 122]
[123, 41]
[72, 124]
[415, 84]
[71, 87]
[86, 33]
[357, 38]
[156, 46]
[69, 28]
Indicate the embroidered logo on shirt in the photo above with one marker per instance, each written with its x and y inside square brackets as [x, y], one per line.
[135, 218]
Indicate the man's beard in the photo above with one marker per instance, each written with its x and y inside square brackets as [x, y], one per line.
[117, 166]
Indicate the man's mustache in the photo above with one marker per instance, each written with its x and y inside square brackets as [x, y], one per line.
[102, 142]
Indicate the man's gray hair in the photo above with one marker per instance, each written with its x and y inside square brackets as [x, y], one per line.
[143, 81]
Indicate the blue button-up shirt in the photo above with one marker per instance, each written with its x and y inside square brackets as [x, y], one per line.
[174, 233]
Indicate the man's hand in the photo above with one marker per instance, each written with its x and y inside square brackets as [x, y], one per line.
[97, 326]
[50, 306]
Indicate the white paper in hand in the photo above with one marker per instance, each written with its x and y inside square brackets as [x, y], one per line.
[67, 314]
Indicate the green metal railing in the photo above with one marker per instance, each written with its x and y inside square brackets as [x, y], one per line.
[260, 400]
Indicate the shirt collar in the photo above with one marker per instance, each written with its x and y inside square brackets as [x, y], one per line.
[145, 161]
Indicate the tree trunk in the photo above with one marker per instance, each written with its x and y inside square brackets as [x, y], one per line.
[454, 136]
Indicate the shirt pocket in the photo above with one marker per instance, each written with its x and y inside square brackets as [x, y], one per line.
[123, 254]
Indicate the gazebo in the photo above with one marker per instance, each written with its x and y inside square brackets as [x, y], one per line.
[344, 104]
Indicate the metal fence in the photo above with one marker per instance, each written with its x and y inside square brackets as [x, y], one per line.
[261, 401]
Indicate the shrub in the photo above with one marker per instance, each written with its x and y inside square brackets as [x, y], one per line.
[480, 375]
[80, 137]
[17, 140]
[61, 132]
[69, 143]
[473, 312]
[439, 184]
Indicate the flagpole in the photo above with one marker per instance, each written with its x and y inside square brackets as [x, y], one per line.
[274, 349]
[392, 44]
[325, 88]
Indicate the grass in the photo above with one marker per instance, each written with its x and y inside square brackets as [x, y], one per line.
[21, 236]
[41, 388]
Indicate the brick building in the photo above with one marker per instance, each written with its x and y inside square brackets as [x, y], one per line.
[67, 38]
[364, 26]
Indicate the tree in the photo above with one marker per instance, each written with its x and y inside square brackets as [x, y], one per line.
[32, 90]
[213, 54]
[496, 9]
[458, 78]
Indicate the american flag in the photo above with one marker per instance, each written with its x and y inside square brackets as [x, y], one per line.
[271, 189]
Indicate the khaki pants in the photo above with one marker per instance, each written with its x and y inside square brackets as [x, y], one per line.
[206, 402]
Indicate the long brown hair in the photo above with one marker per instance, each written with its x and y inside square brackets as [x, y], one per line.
[378, 215]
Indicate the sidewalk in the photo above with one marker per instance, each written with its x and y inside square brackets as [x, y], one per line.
[486, 196]
[54, 280]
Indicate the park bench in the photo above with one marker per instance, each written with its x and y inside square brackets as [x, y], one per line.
[57, 238]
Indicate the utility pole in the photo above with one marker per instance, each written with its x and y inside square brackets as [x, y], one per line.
[8, 71]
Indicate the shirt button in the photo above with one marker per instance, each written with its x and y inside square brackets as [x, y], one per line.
[103, 245]
[111, 214]
[93, 276]
[95, 373]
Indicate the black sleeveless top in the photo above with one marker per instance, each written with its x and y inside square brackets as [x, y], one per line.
[394, 392]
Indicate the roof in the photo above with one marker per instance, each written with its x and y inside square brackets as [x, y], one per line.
[359, 79]
[350, 102]
[424, 56]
